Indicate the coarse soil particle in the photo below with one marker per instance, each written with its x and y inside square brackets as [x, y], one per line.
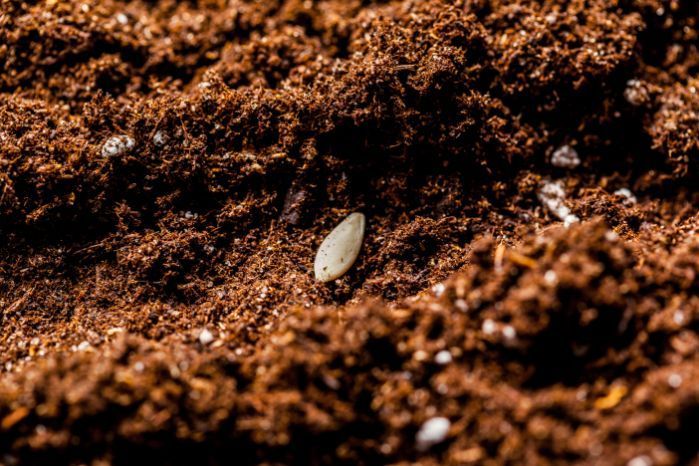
[238, 133]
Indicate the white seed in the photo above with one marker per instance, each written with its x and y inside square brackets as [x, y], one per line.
[565, 157]
[340, 248]
[432, 432]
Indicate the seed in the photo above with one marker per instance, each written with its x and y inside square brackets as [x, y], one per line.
[340, 248]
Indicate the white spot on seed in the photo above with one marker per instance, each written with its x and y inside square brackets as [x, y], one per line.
[340, 248]
[509, 332]
[432, 432]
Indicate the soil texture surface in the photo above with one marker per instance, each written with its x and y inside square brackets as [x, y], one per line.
[527, 289]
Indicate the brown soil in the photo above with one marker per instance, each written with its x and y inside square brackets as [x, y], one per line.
[171, 167]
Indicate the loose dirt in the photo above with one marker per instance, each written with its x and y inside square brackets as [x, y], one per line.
[168, 170]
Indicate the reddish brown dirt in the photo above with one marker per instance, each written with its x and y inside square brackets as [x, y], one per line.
[247, 130]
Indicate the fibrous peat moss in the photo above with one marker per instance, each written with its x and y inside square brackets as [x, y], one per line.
[169, 169]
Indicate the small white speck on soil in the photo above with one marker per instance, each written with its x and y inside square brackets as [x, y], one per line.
[432, 432]
[565, 157]
[443, 357]
[205, 337]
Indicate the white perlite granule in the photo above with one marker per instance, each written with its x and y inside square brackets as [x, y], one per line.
[624, 192]
[461, 305]
[550, 277]
[509, 332]
[206, 337]
[438, 289]
[489, 326]
[674, 380]
[678, 317]
[565, 157]
[643, 460]
[117, 145]
[636, 93]
[160, 138]
[443, 358]
[432, 432]
[552, 196]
